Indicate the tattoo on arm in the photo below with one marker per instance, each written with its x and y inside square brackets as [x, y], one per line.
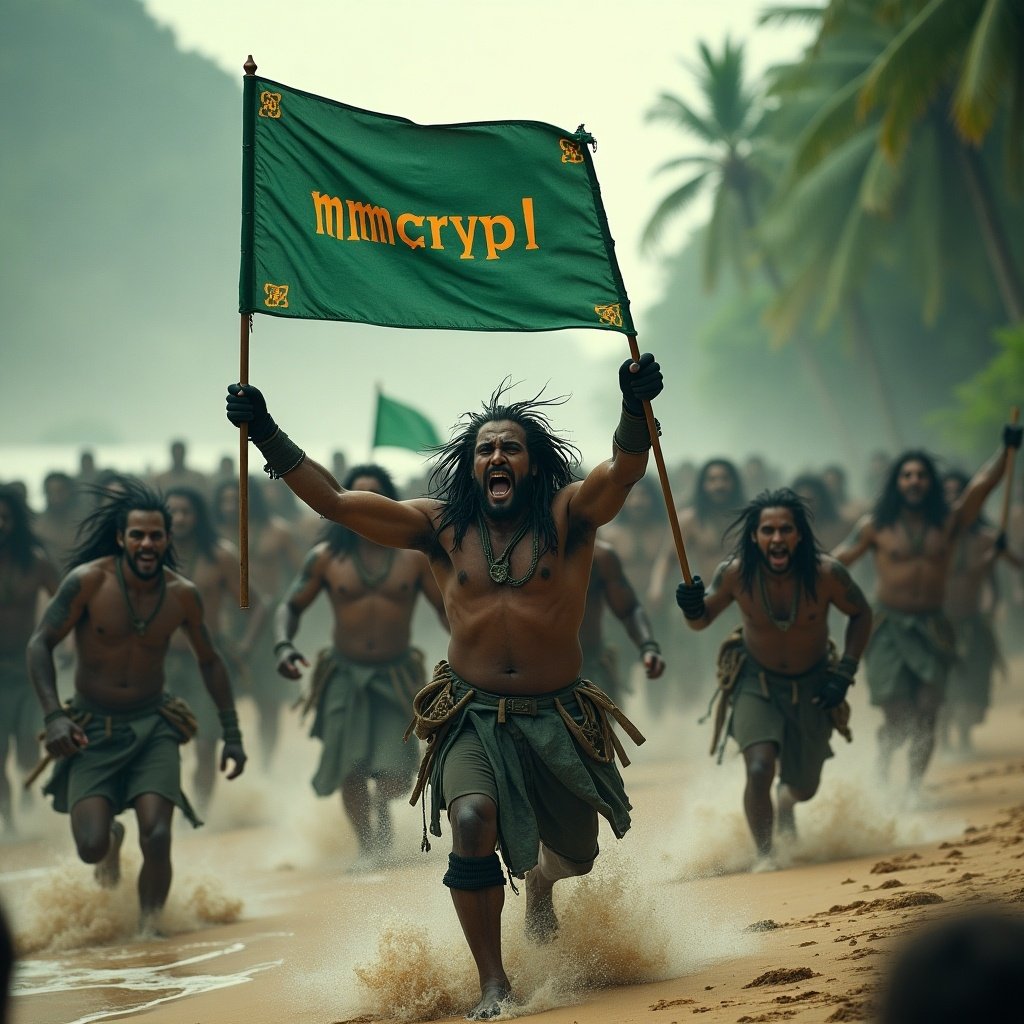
[852, 594]
[58, 611]
[305, 573]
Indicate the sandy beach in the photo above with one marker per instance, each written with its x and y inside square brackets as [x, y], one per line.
[266, 925]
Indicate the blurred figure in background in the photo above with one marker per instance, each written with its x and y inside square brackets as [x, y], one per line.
[274, 559]
[717, 497]
[57, 524]
[363, 685]
[911, 534]
[179, 474]
[971, 598]
[211, 563]
[610, 588]
[25, 574]
[830, 527]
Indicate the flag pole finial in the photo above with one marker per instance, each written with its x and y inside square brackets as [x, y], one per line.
[249, 67]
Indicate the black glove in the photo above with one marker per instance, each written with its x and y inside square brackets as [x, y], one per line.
[690, 597]
[646, 383]
[837, 682]
[1013, 433]
[246, 404]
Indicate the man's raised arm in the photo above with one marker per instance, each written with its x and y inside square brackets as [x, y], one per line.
[396, 524]
[602, 494]
[969, 505]
[859, 541]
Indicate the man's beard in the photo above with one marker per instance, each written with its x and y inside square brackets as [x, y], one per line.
[766, 563]
[133, 565]
[522, 494]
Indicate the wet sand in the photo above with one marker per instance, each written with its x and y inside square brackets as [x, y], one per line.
[265, 923]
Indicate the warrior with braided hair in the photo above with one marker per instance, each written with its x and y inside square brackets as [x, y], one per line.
[784, 684]
[519, 750]
[116, 742]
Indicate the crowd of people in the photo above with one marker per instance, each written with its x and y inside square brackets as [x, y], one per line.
[121, 597]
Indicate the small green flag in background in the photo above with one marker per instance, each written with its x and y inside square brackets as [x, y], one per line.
[401, 426]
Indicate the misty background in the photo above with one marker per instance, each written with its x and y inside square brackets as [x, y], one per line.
[120, 220]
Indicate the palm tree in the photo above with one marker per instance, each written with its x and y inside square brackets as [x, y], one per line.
[850, 201]
[944, 68]
[736, 168]
[729, 126]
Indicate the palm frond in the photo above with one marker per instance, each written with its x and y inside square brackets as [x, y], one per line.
[925, 226]
[917, 63]
[988, 68]
[672, 205]
[679, 113]
[846, 267]
[882, 180]
[832, 125]
[809, 214]
[707, 162]
[778, 16]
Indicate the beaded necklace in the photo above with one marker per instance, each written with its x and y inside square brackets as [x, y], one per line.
[498, 568]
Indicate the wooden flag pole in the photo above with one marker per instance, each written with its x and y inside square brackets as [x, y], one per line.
[666, 488]
[1004, 521]
[245, 327]
[243, 473]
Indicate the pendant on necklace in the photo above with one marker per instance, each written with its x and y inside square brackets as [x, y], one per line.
[498, 572]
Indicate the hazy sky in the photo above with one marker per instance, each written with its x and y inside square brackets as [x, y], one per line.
[560, 61]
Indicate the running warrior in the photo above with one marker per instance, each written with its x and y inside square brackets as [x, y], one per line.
[116, 741]
[971, 599]
[363, 684]
[912, 533]
[782, 687]
[520, 749]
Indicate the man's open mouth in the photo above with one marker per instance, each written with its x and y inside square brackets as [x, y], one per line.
[778, 558]
[499, 484]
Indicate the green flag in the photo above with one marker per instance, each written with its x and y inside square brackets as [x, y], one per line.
[484, 226]
[401, 426]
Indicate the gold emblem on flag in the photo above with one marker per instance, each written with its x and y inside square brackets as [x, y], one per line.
[270, 104]
[611, 315]
[276, 296]
[570, 152]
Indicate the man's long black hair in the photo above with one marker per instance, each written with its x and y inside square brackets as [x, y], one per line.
[824, 507]
[97, 533]
[806, 557]
[891, 503]
[555, 459]
[702, 503]
[340, 539]
[24, 544]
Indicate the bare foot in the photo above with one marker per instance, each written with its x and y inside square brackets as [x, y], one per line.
[541, 920]
[491, 998]
[108, 871]
[149, 926]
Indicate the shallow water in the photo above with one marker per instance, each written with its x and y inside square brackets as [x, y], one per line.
[121, 980]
